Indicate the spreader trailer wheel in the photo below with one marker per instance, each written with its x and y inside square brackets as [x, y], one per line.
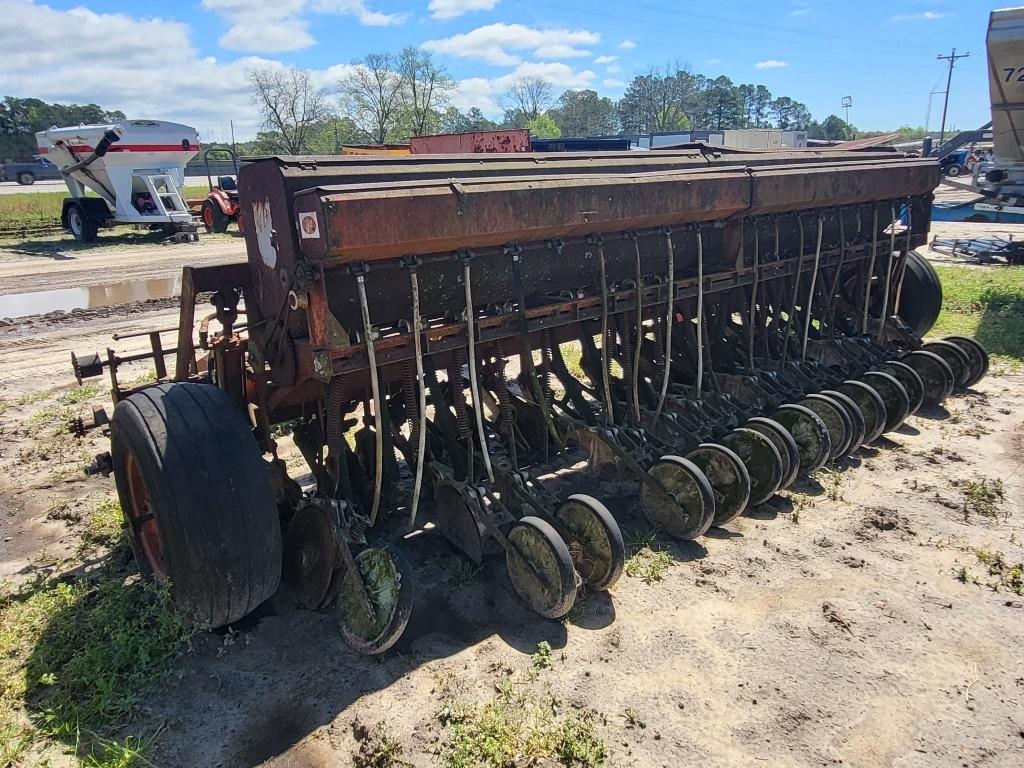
[197, 499]
[810, 433]
[729, 480]
[762, 460]
[594, 540]
[783, 441]
[540, 567]
[677, 498]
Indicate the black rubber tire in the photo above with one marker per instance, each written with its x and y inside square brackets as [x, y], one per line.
[214, 219]
[610, 533]
[936, 375]
[393, 630]
[871, 404]
[840, 428]
[26, 178]
[728, 477]
[83, 229]
[762, 459]
[977, 356]
[781, 438]
[955, 358]
[909, 378]
[565, 576]
[209, 492]
[897, 402]
[814, 441]
[858, 429]
[921, 297]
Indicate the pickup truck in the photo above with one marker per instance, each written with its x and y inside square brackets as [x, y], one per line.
[28, 173]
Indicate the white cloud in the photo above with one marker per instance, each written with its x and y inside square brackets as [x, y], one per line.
[610, 82]
[450, 9]
[555, 72]
[771, 64]
[606, 59]
[475, 92]
[273, 26]
[499, 43]
[613, 69]
[925, 16]
[627, 44]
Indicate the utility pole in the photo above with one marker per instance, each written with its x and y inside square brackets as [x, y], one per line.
[952, 59]
[847, 103]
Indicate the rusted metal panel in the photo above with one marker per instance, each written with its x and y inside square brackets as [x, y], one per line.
[514, 140]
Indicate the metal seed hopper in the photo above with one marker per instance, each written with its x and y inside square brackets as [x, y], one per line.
[437, 332]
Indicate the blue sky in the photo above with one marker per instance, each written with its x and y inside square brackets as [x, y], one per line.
[187, 60]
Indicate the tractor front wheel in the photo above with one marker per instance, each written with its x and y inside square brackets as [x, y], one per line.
[214, 219]
[197, 500]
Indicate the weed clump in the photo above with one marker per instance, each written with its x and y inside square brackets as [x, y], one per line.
[649, 562]
[983, 497]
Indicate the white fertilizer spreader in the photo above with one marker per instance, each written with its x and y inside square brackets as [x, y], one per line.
[136, 167]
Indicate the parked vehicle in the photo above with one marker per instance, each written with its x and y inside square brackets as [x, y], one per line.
[29, 173]
[220, 207]
[955, 163]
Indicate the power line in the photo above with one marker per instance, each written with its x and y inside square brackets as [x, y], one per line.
[952, 59]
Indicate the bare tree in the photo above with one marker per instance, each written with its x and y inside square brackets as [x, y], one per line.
[290, 105]
[427, 86]
[371, 94]
[526, 99]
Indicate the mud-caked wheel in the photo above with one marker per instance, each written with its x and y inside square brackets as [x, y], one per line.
[684, 504]
[858, 429]
[387, 587]
[910, 380]
[729, 480]
[811, 435]
[977, 357]
[594, 540]
[761, 458]
[893, 394]
[840, 430]
[197, 500]
[789, 451]
[936, 375]
[871, 405]
[540, 567]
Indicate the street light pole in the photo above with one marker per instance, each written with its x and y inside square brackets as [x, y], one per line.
[952, 59]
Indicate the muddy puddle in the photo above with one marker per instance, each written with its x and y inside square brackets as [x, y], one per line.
[67, 299]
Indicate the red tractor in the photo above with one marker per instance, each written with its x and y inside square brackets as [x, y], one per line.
[221, 208]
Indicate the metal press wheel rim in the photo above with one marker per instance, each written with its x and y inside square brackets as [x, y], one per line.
[783, 441]
[897, 402]
[936, 375]
[383, 583]
[809, 431]
[540, 568]
[729, 479]
[840, 430]
[871, 406]
[142, 520]
[909, 378]
[597, 555]
[977, 357]
[954, 357]
[858, 427]
[691, 511]
[762, 459]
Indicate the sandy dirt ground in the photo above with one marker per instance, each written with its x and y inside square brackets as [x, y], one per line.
[832, 625]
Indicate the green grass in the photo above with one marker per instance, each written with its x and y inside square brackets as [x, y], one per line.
[648, 562]
[983, 497]
[77, 650]
[517, 727]
[987, 303]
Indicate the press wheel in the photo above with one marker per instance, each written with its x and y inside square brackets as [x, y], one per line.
[936, 375]
[871, 405]
[857, 426]
[595, 540]
[955, 358]
[910, 380]
[540, 567]
[977, 357]
[839, 427]
[388, 584]
[809, 431]
[761, 458]
[456, 521]
[729, 479]
[897, 403]
[689, 509]
[310, 551]
[783, 441]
